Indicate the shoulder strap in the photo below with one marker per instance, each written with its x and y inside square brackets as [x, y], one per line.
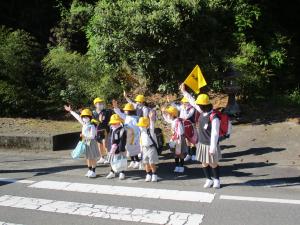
[213, 113]
[150, 136]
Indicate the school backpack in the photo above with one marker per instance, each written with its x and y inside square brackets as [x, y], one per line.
[225, 124]
[159, 143]
[107, 113]
[195, 118]
[190, 131]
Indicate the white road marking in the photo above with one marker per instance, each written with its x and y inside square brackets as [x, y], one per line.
[255, 199]
[102, 211]
[188, 196]
[5, 223]
[8, 180]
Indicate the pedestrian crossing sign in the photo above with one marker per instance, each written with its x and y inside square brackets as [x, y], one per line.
[195, 80]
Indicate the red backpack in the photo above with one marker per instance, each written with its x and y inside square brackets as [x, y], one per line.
[225, 124]
[190, 131]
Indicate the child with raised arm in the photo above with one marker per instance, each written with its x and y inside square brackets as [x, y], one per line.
[208, 149]
[88, 134]
[133, 133]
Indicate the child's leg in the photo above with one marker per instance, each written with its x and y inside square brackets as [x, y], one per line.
[99, 148]
[206, 170]
[176, 161]
[89, 165]
[153, 168]
[147, 168]
[93, 163]
[215, 170]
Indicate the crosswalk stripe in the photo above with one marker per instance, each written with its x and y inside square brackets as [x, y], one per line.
[255, 199]
[189, 196]
[102, 211]
[5, 223]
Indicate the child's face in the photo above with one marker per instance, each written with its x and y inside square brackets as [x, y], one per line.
[99, 106]
[143, 128]
[115, 126]
[185, 105]
[86, 119]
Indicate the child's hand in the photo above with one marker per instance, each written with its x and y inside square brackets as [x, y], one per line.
[182, 87]
[68, 108]
[125, 95]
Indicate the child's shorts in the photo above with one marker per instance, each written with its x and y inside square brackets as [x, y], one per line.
[150, 155]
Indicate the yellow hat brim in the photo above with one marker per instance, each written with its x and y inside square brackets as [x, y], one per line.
[115, 121]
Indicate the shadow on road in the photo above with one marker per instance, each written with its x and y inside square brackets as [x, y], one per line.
[252, 151]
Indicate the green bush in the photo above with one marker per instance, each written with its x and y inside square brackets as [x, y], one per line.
[20, 87]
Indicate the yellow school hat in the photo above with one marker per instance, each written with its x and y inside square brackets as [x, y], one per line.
[143, 122]
[202, 99]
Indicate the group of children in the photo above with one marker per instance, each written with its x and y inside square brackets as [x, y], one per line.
[130, 132]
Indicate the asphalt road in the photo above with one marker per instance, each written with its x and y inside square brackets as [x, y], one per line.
[260, 185]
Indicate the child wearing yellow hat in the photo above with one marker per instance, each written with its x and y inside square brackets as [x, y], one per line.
[130, 123]
[187, 112]
[208, 149]
[102, 116]
[118, 142]
[139, 105]
[88, 135]
[149, 146]
[177, 142]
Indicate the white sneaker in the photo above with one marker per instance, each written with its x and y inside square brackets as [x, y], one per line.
[217, 183]
[148, 178]
[154, 178]
[121, 176]
[176, 169]
[136, 165]
[101, 160]
[208, 183]
[111, 175]
[194, 158]
[88, 173]
[92, 174]
[187, 158]
[181, 169]
[131, 164]
[106, 162]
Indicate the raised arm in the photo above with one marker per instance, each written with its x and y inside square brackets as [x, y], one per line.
[189, 98]
[117, 110]
[76, 116]
[129, 100]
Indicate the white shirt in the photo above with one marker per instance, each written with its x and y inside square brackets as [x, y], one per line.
[130, 121]
[175, 129]
[145, 109]
[88, 130]
[145, 139]
[184, 113]
[215, 123]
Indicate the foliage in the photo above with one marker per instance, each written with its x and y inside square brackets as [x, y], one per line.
[19, 72]
[100, 47]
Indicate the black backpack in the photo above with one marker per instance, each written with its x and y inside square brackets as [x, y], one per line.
[159, 145]
[139, 110]
[107, 113]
